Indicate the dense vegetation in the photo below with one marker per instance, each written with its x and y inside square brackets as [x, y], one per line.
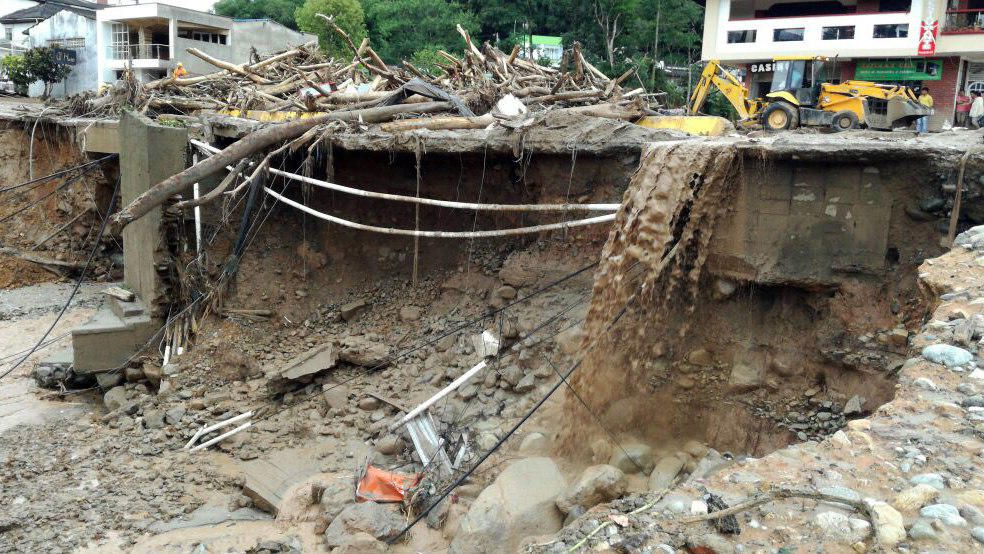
[615, 34]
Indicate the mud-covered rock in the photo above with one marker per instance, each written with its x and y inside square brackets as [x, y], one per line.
[633, 458]
[597, 484]
[378, 521]
[665, 472]
[520, 503]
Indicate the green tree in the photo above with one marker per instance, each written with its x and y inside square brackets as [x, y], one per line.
[413, 29]
[15, 68]
[347, 14]
[40, 65]
[281, 11]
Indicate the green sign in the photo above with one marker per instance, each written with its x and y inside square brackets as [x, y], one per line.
[899, 70]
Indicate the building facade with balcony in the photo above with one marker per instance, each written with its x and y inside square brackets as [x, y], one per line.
[153, 38]
[871, 40]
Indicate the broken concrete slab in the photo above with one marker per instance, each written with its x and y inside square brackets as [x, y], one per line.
[268, 480]
[304, 367]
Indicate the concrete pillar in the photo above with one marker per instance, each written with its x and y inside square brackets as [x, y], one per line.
[149, 153]
[172, 38]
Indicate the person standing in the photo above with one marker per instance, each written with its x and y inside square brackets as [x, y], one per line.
[922, 124]
[962, 113]
[976, 110]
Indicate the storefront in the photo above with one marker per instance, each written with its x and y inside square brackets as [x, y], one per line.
[909, 72]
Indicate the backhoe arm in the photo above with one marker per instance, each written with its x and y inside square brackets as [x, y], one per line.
[730, 87]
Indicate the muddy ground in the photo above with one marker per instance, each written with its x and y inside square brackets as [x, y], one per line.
[106, 470]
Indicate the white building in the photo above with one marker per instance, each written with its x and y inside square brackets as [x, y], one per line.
[150, 38]
[153, 38]
[872, 40]
[17, 16]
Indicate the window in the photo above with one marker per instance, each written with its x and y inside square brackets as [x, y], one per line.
[894, 5]
[892, 30]
[8, 32]
[76, 42]
[741, 37]
[838, 33]
[202, 36]
[788, 35]
[120, 43]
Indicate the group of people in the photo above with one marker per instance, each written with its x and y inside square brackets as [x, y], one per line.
[970, 110]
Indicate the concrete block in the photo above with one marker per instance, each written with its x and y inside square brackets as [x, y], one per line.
[151, 154]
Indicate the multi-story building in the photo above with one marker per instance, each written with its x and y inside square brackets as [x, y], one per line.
[110, 36]
[872, 40]
[152, 38]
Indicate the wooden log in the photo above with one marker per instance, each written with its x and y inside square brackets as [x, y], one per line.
[530, 91]
[255, 142]
[289, 84]
[438, 123]
[571, 96]
[58, 267]
[611, 86]
[217, 191]
[468, 42]
[629, 112]
[513, 55]
[184, 103]
[231, 67]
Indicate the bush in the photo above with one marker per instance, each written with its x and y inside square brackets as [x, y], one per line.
[37, 64]
[15, 68]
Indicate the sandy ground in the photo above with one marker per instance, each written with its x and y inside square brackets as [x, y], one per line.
[25, 314]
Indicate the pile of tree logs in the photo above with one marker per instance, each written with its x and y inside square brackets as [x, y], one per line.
[303, 79]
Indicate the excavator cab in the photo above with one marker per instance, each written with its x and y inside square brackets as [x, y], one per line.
[799, 78]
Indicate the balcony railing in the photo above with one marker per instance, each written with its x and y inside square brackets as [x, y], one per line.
[963, 21]
[139, 52]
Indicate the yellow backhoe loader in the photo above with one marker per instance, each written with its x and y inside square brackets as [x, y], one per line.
[801, 95]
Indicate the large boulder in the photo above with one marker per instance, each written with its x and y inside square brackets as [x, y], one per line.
[115, 398]
[597, 484]
[519, 504]
[376, 520]
[666, 471]
[633, 458]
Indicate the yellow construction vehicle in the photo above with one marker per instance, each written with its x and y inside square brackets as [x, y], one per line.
[801, 95]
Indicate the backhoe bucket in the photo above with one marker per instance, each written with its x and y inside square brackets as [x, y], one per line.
[892, 113]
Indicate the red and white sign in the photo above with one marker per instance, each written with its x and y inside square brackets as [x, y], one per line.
[927, 38]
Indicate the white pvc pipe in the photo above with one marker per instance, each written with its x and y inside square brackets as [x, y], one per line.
[223, 436]
[444, 392]
[443, 234]
[449, 203]
[431, 201]
[219, 425]
[195, 189]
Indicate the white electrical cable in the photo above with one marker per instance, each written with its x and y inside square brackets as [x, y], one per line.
[443, 234]
[430, 201]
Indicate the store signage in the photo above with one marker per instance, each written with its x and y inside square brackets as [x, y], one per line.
[899, 70]
[64, 56]
[927, 38]
[761, 67]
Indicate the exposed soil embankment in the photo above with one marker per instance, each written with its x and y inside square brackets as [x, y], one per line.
[53, 219]
[676, 353]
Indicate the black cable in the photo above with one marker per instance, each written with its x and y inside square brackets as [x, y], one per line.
[462, 327]
[78, 282]
[70, 181]
[58, 173]
[505, 437]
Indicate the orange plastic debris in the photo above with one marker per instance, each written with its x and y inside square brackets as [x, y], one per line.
[380, 485]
